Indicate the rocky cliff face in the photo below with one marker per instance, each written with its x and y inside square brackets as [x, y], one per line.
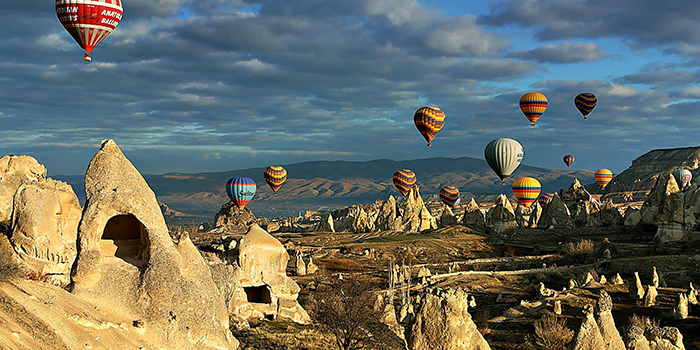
[642, 174]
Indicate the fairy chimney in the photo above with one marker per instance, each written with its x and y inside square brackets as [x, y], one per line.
[45, 219]
[128, 263]
[15, 171]
[261, 288]
[606, 323]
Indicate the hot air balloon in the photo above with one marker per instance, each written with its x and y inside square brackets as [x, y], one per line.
[545, 198]
[449, 195]
[526, 190]
[404, 180]
[683, 177]
[603, 177]
[89, 21]
[533, 104]
[275, 176]
[429, 120]
[568, 160]
[585, 102]
[241, 190]
[504, 155]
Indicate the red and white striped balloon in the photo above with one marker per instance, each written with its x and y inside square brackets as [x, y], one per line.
[89, 21]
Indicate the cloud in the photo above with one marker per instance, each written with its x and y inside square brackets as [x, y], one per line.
[566, 52]
[643, 23]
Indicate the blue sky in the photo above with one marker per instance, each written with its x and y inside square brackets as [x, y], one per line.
[214, 85]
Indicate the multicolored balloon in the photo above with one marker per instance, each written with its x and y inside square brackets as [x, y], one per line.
[585, 102]
[526, 190]
[89, 21]
[241, 190]
[683, 178]
[449, 195]
[533, 104]
[603, 177]
[429, 120]
[545, 198]
[404, 180]
[504, 155]
[568, 160]
[275, 176]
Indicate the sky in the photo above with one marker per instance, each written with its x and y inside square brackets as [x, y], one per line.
[215, 85]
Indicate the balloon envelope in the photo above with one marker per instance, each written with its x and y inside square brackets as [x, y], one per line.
[404, 180]
[89, 21]
[683, 177]
[241, 190]
[533, 104]
[568, 160]
[504, 155]
[429, 120]
[603, 177]
[526, 190]
[585, 102]
[545, 198]
[449, 195]
[275, 176]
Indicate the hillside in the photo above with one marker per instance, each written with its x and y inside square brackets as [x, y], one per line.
[640, 177]
[333, 184]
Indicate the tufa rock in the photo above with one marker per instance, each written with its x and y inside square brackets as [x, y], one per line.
[588, 336]
[664, 338]
[261, 287]
[128, 263]
[633, 216]
[234, 219]
[423, 272]
[15, 171]
[501, 216]
[606, 323]
[557, 307]
[300, 265]
[655, 277]
[555, 214]
[636, 289]
[680, 308]
[535, 215]
[45, 219]
[311, 268]
[443, 322]
[473, 215]
[636, 339]
[448, 217]
[650, 296]
[617, 280]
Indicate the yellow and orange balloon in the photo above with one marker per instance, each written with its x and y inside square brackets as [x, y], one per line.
[603, 177]
[533, 104]
[526, 190]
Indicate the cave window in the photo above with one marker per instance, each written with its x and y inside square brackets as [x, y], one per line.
[125, 237]
[258, 294]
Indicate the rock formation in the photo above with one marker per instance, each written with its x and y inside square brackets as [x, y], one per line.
[633, 216]
[473, 215]
[588, 336]
[535, 214]
[650, 296]
[300, 265]
[311, 268]
[617, 280]
[15, 171]
[606, 323]
[582, 206]
[448, 217]
[233, 219]
[636, 339]
[636, 288]
[501, 216]
[680, 308]
[557, 307]
[44, 229]
[443, 322]
[260, 287]
[128, 263]
[664, 338]
[555, 214]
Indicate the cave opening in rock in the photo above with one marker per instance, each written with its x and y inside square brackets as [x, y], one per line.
[258, 294]
[125, 237]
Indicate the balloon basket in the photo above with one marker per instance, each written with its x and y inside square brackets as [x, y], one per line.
[87, 58]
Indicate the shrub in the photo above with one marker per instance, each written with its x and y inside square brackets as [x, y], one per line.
[579, 250]
[551, 333]
[346, 309]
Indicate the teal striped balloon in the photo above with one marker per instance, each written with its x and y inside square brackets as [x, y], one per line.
[241, 190]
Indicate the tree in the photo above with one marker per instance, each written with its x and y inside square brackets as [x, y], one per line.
[346, 309]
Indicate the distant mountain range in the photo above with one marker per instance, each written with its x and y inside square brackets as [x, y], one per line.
[334, 184]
